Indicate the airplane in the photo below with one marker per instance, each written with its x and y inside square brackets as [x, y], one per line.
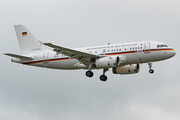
[122, 58]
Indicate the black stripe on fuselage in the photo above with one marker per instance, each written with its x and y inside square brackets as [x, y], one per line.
[116, 53]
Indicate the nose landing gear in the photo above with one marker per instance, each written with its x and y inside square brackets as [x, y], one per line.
[150, 66]
[151, 71]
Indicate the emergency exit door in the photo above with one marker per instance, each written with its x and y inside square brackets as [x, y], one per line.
[45, 58]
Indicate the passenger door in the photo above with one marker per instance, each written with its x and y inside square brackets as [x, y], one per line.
[147, 47]
[104, 51]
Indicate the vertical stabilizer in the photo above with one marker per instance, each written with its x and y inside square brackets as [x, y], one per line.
[27, 41]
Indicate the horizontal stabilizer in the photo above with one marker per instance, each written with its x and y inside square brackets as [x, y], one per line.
[19, 56]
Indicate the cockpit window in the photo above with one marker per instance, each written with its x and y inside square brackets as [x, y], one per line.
[161, 46]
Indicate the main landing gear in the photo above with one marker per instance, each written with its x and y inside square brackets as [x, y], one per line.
[89, 73]
[150, 66]
[103, 77]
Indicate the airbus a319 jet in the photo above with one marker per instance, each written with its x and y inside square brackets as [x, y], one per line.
[121, 58]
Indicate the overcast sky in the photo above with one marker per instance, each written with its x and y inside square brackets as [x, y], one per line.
[31, 93]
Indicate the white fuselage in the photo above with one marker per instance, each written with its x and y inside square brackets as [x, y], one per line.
[130, 53]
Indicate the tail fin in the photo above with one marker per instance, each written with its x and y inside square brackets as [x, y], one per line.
[27, 41]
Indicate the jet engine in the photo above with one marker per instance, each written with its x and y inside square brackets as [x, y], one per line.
[127, 69]
[112, 61]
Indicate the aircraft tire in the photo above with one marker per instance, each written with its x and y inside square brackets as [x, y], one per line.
[103, 78]
[151, 71]
[89, 74]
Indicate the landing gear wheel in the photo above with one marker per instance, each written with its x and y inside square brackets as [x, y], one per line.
[150, 66]
[103, 78]
[151, 71]
[89, 74]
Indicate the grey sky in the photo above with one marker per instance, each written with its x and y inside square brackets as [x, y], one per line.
[35, 93]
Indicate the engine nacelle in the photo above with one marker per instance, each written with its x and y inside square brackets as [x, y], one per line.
[127, 69]
[112, 61]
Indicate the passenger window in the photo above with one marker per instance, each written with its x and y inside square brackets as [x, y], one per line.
[55, 55]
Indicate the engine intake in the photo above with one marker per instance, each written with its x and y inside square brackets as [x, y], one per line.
[127, 69]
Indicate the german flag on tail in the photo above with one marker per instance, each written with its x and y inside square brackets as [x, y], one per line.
[24, 33]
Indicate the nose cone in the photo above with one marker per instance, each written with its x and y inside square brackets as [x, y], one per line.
[172, 53]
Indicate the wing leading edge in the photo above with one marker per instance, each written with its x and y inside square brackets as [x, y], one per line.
[83, 57]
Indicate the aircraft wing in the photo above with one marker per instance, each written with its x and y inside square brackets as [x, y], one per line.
[19, 56]
[72, 53]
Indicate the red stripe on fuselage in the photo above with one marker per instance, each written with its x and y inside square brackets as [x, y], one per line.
[118, 53]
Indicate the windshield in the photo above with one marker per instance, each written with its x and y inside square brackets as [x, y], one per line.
[158, 46]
